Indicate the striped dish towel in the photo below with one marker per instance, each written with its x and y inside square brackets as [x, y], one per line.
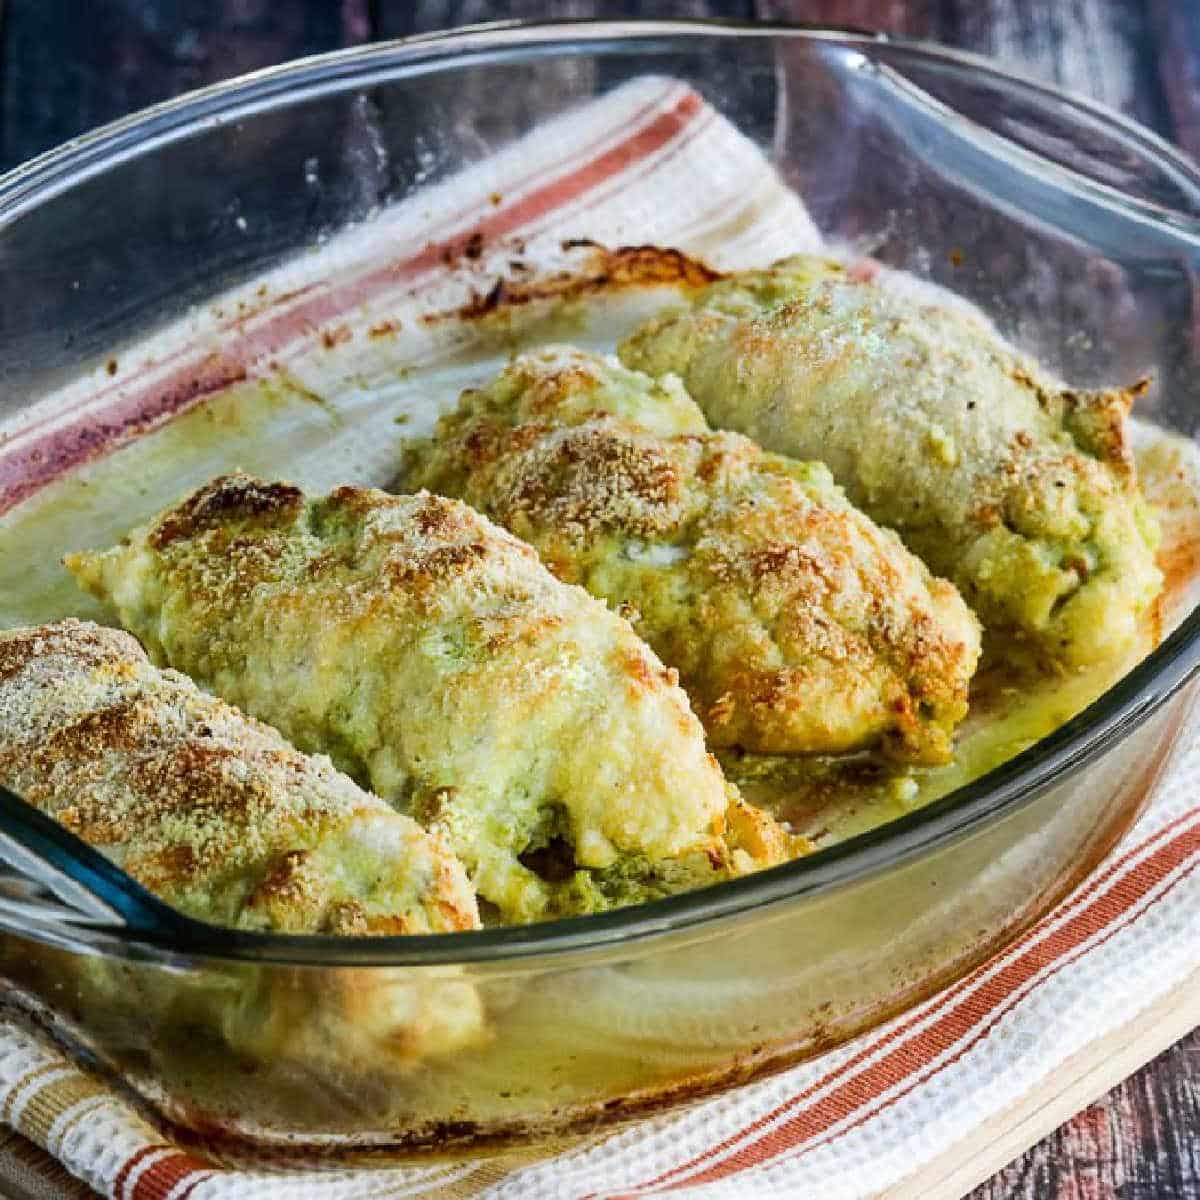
[857, 1122]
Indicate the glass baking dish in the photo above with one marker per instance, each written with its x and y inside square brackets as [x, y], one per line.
[1080, 235]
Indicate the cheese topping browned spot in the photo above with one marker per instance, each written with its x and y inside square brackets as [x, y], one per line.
[229, 498]
[591, 479]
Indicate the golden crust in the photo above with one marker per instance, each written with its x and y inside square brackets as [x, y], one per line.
[209, 809]
[431, 655]
[1020, 490]
[796, 623]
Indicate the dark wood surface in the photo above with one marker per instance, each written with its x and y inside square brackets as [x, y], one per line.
[67, 65]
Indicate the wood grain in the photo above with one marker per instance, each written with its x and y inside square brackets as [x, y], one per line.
[1176, 49]
[67, 65]
[396, 18]
[1106, 49]
[28, 1173]
[1141, 1142]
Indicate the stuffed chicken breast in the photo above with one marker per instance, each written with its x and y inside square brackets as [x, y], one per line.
[796, 623]
[210, 810]
[433, 657]
[1019, 489]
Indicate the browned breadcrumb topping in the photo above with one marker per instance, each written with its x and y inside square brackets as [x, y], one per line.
[230, 496]
[587, 480]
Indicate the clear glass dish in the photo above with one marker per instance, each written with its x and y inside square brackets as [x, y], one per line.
[1081, 233]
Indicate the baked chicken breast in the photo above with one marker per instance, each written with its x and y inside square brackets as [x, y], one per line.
[210, 810]
[1020, 490]
[435, 659]
[796, 623]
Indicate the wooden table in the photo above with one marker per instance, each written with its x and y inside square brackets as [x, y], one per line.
[68, 65]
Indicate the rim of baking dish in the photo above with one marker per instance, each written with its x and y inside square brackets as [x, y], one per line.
[116, 915]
